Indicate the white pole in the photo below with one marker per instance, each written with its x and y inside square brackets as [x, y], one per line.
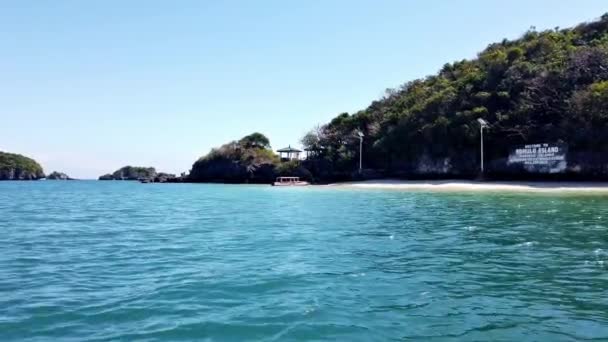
[481, 128]
[360, 154]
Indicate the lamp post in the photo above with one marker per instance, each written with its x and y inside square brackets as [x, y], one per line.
[360, 134]
[482, 124]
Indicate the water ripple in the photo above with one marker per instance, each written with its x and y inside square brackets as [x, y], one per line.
[121, 261]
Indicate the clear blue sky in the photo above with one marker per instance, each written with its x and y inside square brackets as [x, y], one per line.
[89, 86]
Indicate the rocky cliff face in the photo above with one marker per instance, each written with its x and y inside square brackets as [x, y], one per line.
[19, 174]
[18, 167]
[231, 171]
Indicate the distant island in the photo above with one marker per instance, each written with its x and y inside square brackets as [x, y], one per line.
[17, 167]
[138, 173]
[58, 176]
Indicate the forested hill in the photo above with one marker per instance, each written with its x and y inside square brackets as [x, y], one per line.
[130, 173]
[17, 167]
[549, 86]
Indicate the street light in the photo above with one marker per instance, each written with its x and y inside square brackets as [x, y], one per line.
[360, 134]
[482, 124]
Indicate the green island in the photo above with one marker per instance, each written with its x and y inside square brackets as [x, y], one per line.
[549, 86]
[55, 175]
[17, 167]
[137, 173]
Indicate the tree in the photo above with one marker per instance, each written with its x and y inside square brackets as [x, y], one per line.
[255, 140]
[312, 139]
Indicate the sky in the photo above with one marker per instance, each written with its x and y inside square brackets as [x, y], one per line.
[87, 87]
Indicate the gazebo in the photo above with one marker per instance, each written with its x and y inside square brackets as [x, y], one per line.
[289, 153]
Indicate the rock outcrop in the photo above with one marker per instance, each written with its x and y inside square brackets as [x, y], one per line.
[17, 167]
[58, 176]
[131, 173]
[162, 177]
[237, 162]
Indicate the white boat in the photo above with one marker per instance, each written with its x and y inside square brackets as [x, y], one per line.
[289, 181]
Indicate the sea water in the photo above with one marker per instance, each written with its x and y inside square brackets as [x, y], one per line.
[102, 261]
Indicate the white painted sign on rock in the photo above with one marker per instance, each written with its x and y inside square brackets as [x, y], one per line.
[543, 158]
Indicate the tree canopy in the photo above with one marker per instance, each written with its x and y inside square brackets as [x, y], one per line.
[257, 140]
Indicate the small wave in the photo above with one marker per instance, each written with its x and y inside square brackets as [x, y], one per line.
[310, 310]
[355, 275]
[471, 228]
[600, 263]
[527, 244]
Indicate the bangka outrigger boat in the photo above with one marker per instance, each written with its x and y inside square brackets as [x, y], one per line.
[289, 181]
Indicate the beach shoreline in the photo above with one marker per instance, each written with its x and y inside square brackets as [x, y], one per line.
[464, 185]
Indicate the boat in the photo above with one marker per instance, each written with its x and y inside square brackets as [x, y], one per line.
[289, 181]
[145, 180]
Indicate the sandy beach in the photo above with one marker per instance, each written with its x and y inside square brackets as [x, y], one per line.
[464, 185]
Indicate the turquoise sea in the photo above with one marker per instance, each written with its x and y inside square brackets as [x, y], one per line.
[124, 261]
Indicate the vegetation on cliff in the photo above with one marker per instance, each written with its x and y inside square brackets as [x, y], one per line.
[18, 167]
[131, 173]
[247, 160]
[549, 86]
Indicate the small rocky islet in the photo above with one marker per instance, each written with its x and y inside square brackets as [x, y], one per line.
[134, 173]
[55, 175]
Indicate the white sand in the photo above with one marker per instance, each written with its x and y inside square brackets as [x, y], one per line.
[460, 185]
